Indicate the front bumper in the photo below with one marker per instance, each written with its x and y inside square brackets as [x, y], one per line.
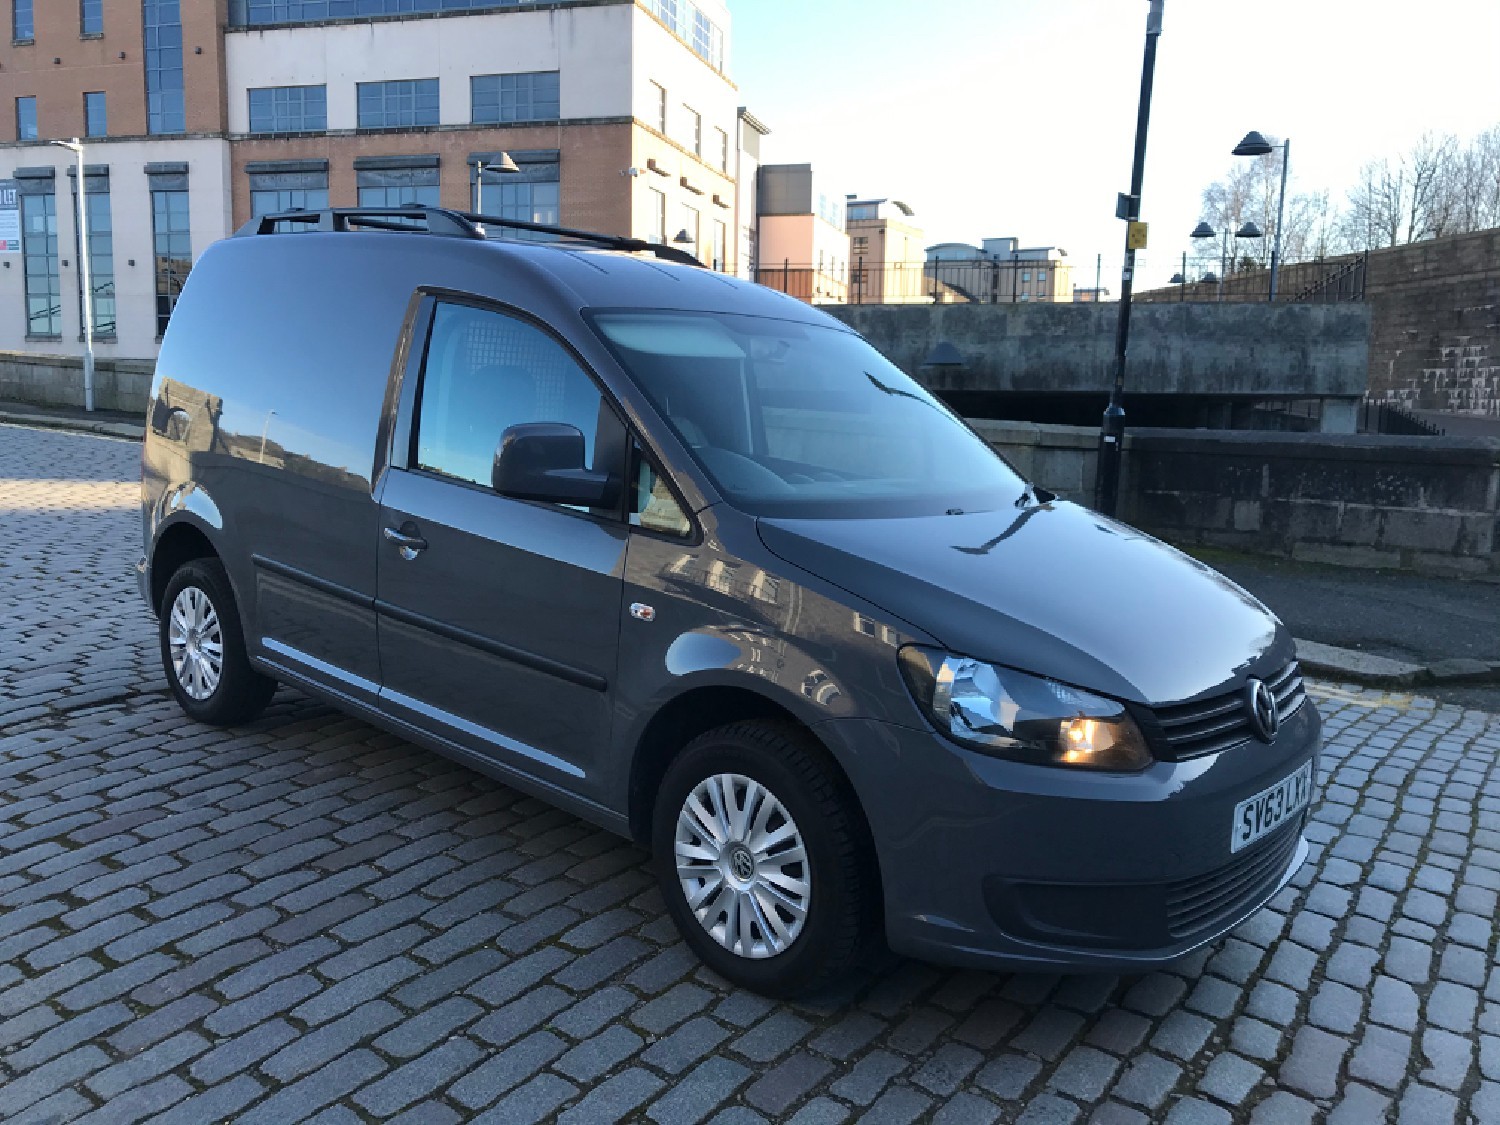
[1002, 865]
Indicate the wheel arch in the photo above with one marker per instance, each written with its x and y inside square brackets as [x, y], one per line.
[700, 709]
[180, 542]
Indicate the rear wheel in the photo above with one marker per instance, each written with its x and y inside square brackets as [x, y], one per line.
[759, 854]
[203, 648]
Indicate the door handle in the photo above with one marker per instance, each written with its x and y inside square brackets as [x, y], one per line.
[408, 544]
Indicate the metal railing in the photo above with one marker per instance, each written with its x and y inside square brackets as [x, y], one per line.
[1376, 417]
[862, 282]
[1347, 283]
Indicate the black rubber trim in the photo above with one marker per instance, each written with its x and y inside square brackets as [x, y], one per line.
[579, 676]
[322, 585]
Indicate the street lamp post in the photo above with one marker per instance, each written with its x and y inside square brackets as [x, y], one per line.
[503, 164]
[1203, 230]
[1256, 145]
[76, 147]
[1112, 429]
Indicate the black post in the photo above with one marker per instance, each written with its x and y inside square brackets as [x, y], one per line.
[1112, 432]
[1182, 293]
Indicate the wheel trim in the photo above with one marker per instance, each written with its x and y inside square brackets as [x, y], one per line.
[195, 642]
[742, 866]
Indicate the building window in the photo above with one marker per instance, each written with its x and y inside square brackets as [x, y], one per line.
[495, 98]
[174, 250]
[91, 17]
[532, 195]
[165, 112]
[860, 243]
[39, 249]
[259, 13]
[720, 245]
[690, 24]
[723, 148]
[695, 129]
[657, 213]
[26, 119]
[275, 189]
[659, 107]
[397, 181]
[289, 109]
[101, 252]
[23, 25]
[400, 104]
[95, 115]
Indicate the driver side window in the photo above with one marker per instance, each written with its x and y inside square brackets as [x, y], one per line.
[487, 371]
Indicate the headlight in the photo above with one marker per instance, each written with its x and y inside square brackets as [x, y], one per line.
[1013, 715]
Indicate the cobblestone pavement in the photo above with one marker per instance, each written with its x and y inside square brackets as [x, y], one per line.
[310, 919]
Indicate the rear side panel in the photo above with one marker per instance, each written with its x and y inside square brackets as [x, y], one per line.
[280, 352]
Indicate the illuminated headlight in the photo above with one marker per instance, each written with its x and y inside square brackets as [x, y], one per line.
[1013, 715]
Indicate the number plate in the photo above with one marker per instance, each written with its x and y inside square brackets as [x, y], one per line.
[1269, 808]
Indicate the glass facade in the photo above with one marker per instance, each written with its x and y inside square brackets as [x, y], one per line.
[497, 98]
[26, 119]
[23, 22]
[39, 249]
[170, 230]
[533, 195]
[399, 104]
[271, 192]
[396, 187]
[101, 253]
[91, 17]
[289, 109]
[257, 13]
[165, 106]
[95, 115]
[688, 22]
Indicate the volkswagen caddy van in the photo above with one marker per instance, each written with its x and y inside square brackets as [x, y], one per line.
[693, 561]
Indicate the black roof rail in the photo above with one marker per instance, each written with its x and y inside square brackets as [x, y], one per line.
[447, 223]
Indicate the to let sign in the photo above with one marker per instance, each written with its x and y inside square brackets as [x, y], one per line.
[10, 218]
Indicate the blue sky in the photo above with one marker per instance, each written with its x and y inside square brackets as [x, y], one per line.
[1017, 117]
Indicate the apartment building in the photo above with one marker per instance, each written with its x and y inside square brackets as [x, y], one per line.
[885, 253]
[1000, 270]
[198, 115]
[803, 246]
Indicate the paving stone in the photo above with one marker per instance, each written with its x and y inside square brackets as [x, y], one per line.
[702, 1090]
[1282, 1108]
[1147, 1081]
[1230, 1079]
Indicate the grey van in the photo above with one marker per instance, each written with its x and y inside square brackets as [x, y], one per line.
[691, 560]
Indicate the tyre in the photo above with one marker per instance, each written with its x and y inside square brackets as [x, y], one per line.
[761, 856]
[203, 648]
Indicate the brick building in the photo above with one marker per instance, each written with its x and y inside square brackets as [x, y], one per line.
[199, 114]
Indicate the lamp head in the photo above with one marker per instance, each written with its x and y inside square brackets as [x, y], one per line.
[1203, 230]
[682, 238]
[1249, 230]
[1177, 279]
[1253, 145]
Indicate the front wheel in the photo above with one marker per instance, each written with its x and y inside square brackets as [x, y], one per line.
[762, 859]
[203, 648]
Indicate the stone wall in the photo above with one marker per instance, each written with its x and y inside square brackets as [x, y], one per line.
[1423, 504]
[1435, 335]
[1228, 351]
[55, 380]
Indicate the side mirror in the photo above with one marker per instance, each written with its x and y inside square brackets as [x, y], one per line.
[544, 461]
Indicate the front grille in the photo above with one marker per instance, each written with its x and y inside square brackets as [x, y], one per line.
[1199, 903]
[1191, 730]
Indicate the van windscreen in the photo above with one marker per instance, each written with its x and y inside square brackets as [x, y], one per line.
[792, 419]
